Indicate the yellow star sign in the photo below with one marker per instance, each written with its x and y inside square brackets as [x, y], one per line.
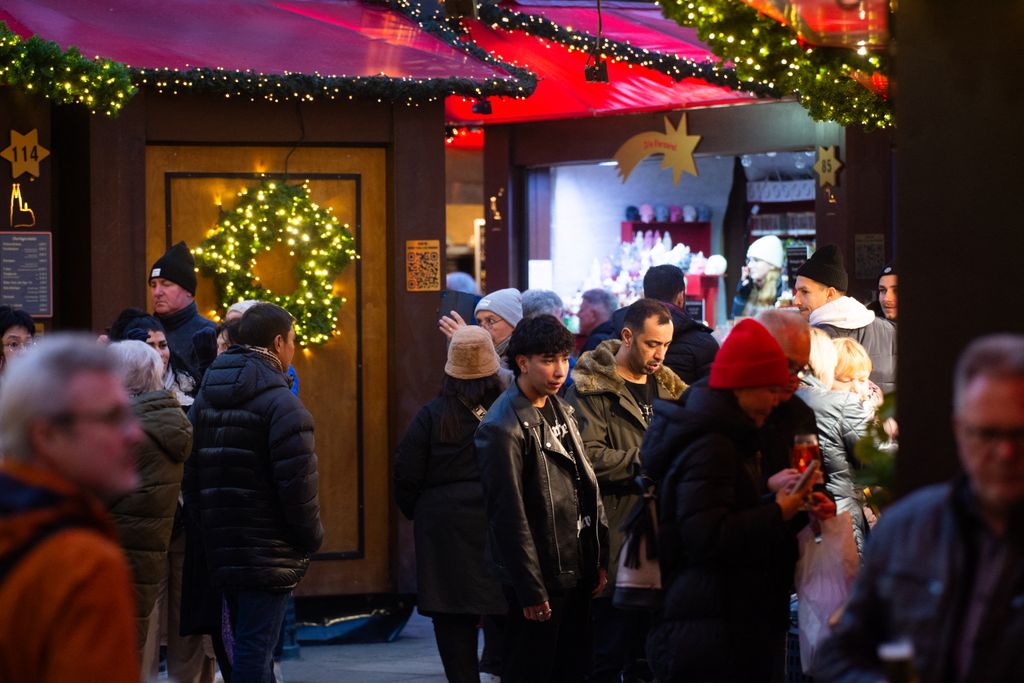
[675, 146]
[827, 166]
[25, 153]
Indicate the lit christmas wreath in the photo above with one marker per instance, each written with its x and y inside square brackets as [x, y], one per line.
[275, 213]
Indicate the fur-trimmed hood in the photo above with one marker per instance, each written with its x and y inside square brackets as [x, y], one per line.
[595, 373]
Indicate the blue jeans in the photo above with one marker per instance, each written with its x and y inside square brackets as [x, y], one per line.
[256, 618]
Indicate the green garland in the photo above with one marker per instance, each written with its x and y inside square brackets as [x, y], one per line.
[267, 215]
[671, 65]
[66, 77]
[40, 66]
[765, 51]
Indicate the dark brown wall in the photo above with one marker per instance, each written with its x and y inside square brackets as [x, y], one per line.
[113, 168]
[23, 113]
[863, 200]
[958, 183]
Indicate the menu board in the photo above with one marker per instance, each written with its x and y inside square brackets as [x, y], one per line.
[796, 256]
[694, 309]
[26, 270]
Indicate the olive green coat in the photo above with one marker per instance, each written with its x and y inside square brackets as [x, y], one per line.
[145, 517]
[612, 428]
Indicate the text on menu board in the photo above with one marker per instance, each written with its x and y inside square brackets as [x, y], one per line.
[26, 268]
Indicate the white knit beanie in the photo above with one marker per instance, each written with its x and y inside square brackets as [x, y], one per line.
[768, 249]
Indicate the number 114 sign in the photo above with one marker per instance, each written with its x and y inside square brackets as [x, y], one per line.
[25, 153]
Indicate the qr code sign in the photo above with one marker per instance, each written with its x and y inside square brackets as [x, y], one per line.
[423, 266]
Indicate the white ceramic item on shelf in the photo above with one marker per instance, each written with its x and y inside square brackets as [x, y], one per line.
[716, 265]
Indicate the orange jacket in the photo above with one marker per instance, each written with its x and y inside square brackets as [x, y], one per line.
[66, 606]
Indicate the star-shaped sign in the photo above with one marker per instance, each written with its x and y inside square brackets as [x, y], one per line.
[827, 166]
[680, 159]
[25, 153]
[675, 146]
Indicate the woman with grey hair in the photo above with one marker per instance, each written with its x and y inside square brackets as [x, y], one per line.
[145, 517]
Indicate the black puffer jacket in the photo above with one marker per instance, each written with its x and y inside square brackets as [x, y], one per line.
[727, 556]
[530, 493]
[252, 476]
[692, 349]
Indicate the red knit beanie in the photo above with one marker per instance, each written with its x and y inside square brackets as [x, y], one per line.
[749, 357]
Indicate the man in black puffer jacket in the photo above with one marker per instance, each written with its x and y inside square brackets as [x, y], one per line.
[253, 479]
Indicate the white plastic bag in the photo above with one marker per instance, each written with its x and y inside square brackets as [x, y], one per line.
[824, 578]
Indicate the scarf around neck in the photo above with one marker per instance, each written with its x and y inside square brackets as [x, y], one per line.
[268, 356]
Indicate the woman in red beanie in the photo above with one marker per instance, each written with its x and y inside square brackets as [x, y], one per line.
[727, 546]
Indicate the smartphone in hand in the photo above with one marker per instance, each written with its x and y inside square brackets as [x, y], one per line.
[461, 302]
[806, 477]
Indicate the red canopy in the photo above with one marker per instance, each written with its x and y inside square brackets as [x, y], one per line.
[563, 92]
[330, 38]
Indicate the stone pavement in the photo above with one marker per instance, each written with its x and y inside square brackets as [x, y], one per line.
[411, 657]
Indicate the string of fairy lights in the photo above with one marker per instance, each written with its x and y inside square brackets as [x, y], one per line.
[272, 214]
[827, 81]
[103, 85]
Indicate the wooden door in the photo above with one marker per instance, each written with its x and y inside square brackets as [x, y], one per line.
[344, 382]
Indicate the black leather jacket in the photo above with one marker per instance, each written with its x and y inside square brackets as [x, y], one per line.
[530, 489]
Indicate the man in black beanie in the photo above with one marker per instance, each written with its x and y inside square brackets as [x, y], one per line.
[820, 294]
[172, 286]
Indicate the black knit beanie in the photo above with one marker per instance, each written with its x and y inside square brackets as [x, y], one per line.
[178, 266]
[826, 266]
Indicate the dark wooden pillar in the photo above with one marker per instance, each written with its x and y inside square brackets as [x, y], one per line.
[500, 258]
[959, 180]
[860, 221]
[417, 348]
[117, 212]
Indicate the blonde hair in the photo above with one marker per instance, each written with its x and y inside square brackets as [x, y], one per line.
[823, 357]
[853, 361]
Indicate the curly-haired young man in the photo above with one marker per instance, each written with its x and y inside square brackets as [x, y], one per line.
[546, 535]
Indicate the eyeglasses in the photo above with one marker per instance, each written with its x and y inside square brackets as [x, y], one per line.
[118, 416]
[16, 346]
[990, 437]
[489, 323]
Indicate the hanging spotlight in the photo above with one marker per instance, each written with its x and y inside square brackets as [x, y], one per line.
[596, 71]
[482, 107]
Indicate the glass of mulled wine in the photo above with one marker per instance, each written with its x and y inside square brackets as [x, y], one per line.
[805, 449]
